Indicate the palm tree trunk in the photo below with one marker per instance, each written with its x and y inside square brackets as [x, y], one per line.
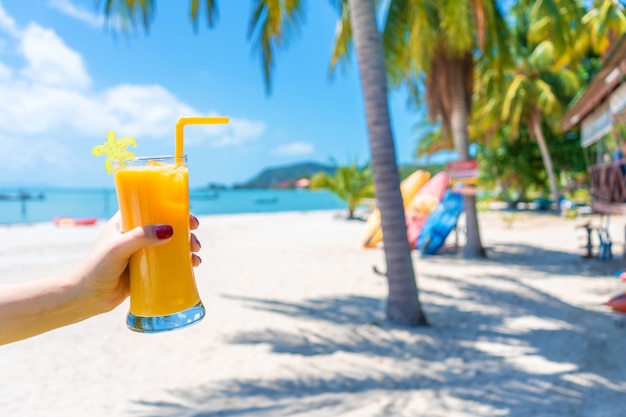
[535, 126]
[458, 127]
[403, 304]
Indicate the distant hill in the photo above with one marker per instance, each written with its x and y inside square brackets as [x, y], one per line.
[273, 177]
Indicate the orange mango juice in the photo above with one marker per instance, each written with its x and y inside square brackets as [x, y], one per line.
[161, 278]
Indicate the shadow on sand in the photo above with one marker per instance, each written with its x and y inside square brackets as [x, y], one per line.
[534, 259]
[470, 362]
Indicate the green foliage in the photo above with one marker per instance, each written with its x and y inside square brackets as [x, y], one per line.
[406, 170]
[580, 196]
[515, 167]
[568, 156]
[350, 183]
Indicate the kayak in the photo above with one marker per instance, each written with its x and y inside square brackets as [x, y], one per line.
[73, 221]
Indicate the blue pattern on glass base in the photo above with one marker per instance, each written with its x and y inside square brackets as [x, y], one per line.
[159, 324]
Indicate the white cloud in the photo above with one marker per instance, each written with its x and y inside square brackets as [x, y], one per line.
[7, 24]
[294, 149]
[48, 106]
[5, 72]
[68, 8]
[50, 60]
[236, 132]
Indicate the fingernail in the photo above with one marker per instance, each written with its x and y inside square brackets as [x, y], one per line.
[195, 219]
[196, 241]
[164, 232]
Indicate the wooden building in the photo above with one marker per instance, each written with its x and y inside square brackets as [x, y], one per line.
[600, 111]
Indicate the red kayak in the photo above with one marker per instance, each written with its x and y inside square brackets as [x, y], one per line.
[73, 221]
[423, 204]
[617, 303]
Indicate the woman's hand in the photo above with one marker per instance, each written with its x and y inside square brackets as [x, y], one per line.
[98, 284]
[103, 275]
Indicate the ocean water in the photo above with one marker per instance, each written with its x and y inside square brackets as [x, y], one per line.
[43, 205]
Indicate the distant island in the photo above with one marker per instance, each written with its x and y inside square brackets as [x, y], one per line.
[285, 176]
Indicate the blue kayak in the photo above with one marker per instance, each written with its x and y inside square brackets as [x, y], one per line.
[441, 221]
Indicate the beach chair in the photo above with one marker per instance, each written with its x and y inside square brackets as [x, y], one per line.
[589, 241]
[605, 247]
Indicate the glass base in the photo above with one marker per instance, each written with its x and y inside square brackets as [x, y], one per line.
[159, 324]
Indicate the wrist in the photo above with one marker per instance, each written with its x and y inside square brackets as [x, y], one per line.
[94, 295]
[78, 304]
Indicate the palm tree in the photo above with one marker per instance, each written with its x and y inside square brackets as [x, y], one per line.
[435, 44]
[546, 44]
[606, 23]
[551, 40]
[350, 183]
[269, 26]
[403, 305]
[532, 98]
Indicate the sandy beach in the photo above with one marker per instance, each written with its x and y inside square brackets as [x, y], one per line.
[295, 327]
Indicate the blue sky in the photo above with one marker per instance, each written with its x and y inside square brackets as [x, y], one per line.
[65, 80]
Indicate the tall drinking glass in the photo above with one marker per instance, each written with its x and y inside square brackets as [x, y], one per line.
[163, 293]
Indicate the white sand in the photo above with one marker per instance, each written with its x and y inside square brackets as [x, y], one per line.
[295, 327]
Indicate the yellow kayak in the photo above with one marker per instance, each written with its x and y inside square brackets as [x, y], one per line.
[373, 233]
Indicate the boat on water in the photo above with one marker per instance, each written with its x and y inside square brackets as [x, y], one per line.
[268, 200]
[203, 195]
[22, 196]
[74, 221]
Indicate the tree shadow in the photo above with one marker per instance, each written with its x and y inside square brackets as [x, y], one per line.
[508, 349]
[532, 258]
[460, 368]
[352, 309]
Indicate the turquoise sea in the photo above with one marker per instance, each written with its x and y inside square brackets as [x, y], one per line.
[42, 205]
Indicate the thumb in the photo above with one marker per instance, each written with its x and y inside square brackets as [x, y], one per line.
[143, 237]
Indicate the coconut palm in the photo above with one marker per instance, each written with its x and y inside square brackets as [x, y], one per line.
[350, 183]
[543, 78]
[606, 23]
[436, 43]
[551, 40]
[532, 98]
[271, 22]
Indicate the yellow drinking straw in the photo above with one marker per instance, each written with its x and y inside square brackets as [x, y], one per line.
[183, 121]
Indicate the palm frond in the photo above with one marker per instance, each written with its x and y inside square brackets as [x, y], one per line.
[568, 81]
[271, 24]
[546, 100]
[394, 37]
[514, 91]
[130, 12]
[343, 41]
[542, 57]
[211, 12]
[457, 26]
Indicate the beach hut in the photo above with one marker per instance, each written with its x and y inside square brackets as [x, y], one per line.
[600, 111]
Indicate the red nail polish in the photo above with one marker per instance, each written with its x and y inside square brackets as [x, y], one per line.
[197, 242]
[164, 232]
